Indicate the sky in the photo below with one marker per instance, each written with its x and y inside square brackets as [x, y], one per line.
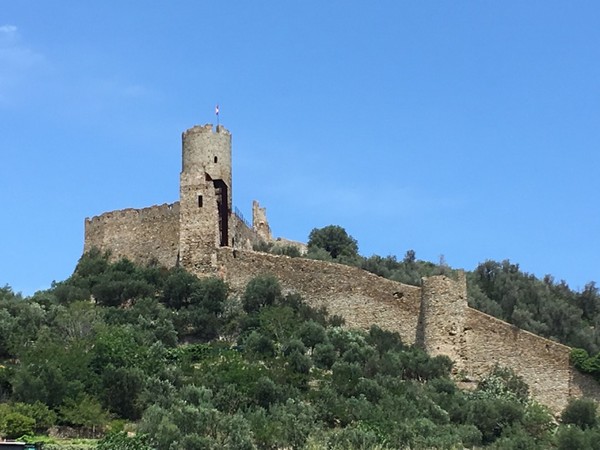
[463, 130]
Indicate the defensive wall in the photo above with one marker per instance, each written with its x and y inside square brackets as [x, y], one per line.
[141, 235]
[434, 316]
[361, 297]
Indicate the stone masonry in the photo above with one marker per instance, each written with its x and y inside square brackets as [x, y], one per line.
[203, 235]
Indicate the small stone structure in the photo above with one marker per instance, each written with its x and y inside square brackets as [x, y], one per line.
[202, 234]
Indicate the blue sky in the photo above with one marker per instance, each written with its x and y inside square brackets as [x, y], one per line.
[464, 129]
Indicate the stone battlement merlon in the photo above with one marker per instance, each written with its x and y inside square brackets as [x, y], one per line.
[129, 212]
[206, 128]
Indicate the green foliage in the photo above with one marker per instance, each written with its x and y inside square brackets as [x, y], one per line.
[581, 412]
[334, 240]
[43, 416]
[277, 248]
[259, 344]
[570, 438]
[85, 411]
[178, 288]
[120, 441]
[168, 358]
[543, 307]
[15, 425]
[586, 363]
[408, 271]
[312, 333]
[288, 250]
[503, 383]
[261, 291]
[90, 445]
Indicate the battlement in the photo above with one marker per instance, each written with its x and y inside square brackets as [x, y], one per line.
[149, 211]
[141, 235]
[206, 128]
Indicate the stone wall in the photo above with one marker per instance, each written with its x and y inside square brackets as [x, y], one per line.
[360, 297]
[436, 317]
[260, 223]
[243, 237]
[141, 235]
[543, 364]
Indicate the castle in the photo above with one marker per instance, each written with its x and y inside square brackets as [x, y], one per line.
[202, 234]
[187, 233]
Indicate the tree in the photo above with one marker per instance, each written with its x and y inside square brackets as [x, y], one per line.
[178, 288]
[86, 411]
[333, 239]
[261, 291]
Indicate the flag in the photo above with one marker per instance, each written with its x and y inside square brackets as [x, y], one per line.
[217, 110]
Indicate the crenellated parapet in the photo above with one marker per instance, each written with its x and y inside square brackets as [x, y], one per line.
[141, 235]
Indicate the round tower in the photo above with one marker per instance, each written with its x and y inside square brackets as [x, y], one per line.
[442, 317]
[207, 150]
[205, 196]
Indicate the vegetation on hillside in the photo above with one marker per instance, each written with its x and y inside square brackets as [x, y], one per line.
[117, 347]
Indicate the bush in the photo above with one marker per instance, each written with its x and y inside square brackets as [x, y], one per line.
[16, 425]
[324, 355]
[120, 441]
[503, 383]
[581, 412]
[43, 416]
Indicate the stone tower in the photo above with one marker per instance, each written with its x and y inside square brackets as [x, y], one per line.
[204, 197]
[441, 327]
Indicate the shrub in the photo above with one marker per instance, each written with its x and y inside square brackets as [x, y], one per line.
[120, 441]
[17, 425]
[581, 412]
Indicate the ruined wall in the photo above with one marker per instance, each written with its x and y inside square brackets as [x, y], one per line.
[141, 235]
[261, 227]
[260, 223]
[243, 237]
[362, 298]
[283, 242]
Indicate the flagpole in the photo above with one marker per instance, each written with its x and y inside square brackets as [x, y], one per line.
[217, 113]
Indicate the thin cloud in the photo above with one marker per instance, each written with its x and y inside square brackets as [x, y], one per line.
[17, 61]
[7, 31]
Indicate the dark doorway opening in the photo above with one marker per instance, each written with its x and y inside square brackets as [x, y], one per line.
[223, 209]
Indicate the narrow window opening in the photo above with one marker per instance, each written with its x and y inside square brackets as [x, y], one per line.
[215, 159]
[200, 201]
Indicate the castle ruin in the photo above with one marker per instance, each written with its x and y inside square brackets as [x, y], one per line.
[202, 234]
